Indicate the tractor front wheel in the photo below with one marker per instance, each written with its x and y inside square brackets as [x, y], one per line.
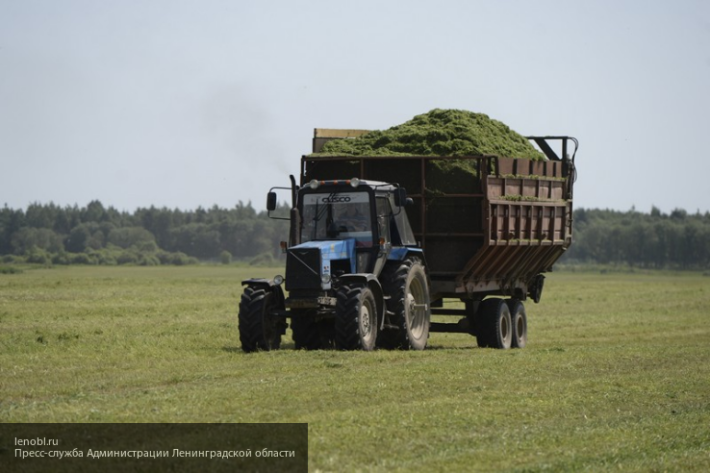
[355, 319]
[259, 328]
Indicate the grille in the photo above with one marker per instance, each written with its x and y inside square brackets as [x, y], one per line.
[303, 269]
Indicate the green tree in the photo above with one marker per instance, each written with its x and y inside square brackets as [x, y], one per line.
[127, 237]
[86, 235]
[44, 239]
[41, 216]
[94, 212]
[11, 221]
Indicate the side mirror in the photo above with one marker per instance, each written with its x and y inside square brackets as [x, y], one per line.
[400, 197]
[271, 201]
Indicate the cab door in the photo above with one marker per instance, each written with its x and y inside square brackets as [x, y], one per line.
[384, 216]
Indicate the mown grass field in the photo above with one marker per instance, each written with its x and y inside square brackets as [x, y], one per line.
[616, 374]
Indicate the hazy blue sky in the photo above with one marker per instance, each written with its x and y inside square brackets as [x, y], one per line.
[192, 103]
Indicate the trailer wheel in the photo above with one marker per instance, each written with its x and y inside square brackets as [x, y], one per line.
[258, 329]
[519, 322]
[355, 319]
[496, 328]
[408, 289]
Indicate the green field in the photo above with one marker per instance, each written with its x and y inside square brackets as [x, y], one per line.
[616, 374]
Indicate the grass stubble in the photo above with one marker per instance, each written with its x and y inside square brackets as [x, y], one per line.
[616, 373]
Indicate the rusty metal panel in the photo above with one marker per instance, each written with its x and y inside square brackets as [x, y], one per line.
[506, 166]
[322, 135]
[404, 171]
[488, 233]
[333, 168]
[454, 215]
[537, 168]
[495, 187]
[532, 187]
[445, 254]
[513, 186]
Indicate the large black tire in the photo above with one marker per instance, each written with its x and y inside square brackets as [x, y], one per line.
[310, 334]
[356, 319]
[470, 323]
[305, 331]
[495, 328]
[407, 285]
[519, 322]
[258, 329]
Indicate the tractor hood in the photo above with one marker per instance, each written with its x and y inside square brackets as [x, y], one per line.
[310, 262]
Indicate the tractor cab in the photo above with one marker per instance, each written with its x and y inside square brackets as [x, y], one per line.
[363, 219]
[351, 255]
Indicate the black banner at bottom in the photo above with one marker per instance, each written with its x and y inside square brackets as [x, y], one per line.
[153, 447]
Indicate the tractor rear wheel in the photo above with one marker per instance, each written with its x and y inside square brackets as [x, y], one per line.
[495, 328]
[305, 331]
[408, 288]
[356, 319]
[259, 329]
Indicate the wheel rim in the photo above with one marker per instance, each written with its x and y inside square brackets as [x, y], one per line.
[520, 328]
[504, 329]
[520, 334]
[416, 309]
[366, 322]
[505, 325]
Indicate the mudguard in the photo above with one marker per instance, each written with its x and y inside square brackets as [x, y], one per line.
[402, 252]
[269, 285]
[266, 283]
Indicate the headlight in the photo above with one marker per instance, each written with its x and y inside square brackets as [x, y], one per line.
[325, 279]
[314, 184]
[278, 280]
[354, 182]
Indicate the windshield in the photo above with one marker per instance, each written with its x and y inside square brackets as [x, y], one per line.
[337, 216]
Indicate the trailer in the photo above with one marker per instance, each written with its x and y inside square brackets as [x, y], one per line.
[480, 231]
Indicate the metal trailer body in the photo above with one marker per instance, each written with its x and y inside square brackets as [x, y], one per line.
[493, 232]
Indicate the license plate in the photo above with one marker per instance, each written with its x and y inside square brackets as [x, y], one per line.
[301, 303]
[329, 301]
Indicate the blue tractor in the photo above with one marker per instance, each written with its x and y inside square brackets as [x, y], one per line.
[355, 276]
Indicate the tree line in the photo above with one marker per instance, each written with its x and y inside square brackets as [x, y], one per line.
[95, 234]
[646, 240]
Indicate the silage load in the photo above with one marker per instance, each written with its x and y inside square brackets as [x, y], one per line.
[439, 133]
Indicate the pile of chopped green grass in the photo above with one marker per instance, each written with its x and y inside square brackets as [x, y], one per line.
[439, 133]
